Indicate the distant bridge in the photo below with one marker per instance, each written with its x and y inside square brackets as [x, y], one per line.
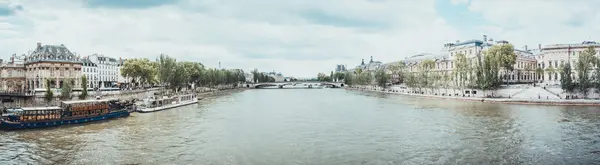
[308, 83]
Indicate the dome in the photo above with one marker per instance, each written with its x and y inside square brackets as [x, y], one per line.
[52, 53]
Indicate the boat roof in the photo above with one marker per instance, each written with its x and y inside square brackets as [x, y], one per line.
[88, 101]
[39, 108]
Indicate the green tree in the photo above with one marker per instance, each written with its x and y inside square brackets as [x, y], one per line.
[550, 70]
[140, 69]
[84, 92]
[49, 94]
[584, 66]
[461, 70]
[426, 76]
[67, 88]
[348, 79]
[166, 67]
[539, 74]
[566, 82]
[381, 77]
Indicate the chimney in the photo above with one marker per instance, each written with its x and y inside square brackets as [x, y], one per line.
[526, 48]
[39, 45]
[540, 46]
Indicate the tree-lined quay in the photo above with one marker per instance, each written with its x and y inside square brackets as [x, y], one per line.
[487, 72]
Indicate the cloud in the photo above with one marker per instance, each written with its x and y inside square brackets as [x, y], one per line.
[8, 9]
[538, 21]
[132, 4]
[296, 37]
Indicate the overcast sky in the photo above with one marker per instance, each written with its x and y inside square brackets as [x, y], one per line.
[296, 37]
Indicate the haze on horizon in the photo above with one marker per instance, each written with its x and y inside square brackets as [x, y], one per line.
[296, 37]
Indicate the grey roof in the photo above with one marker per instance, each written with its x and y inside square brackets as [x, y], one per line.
[88, 62]
[58, 53]
[427, 56]
[562, 46]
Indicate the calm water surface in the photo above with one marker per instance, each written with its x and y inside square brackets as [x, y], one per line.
[325, 127]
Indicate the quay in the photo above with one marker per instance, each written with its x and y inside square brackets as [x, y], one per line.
[529, 101]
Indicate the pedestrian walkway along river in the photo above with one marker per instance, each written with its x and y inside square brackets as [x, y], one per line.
[321, 126]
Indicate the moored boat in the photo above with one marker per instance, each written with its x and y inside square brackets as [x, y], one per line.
[158, 104]
[69, 112]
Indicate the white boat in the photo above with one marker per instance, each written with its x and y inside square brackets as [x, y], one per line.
[153, 104]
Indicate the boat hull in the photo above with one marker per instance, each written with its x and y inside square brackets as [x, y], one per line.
[148, 110]
[4, 125]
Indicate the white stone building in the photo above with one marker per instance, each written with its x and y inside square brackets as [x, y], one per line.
[51, 62]
[90, 71]
[107, 71]
[553, 56]
[123, 82]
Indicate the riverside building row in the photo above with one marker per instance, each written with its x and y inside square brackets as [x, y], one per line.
[28, 73]
[548, 58]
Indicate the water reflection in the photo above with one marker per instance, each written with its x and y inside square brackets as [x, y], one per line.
[321, 127]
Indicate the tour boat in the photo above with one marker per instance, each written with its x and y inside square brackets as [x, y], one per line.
[158, 104]
[69, 112]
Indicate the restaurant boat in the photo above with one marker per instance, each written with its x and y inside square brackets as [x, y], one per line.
[69, 112]
[154, 104]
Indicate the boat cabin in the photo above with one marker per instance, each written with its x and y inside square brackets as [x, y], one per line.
[27, 114]
[84, 108]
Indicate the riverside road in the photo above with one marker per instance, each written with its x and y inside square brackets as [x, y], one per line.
[321, 126]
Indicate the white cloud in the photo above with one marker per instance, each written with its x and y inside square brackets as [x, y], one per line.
[264, 34]
[543, 22]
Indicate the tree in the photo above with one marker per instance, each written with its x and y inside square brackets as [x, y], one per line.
[425, 73]
[166, 68]
[84, 93]
[348, 79]
[381, 78]
[193, 71]
[49, 94]
[550, 70]
[460, 73]
[67, 88]
[566, 82]
[140, 69]
[398, 71]
[540, 73]
[584, 66]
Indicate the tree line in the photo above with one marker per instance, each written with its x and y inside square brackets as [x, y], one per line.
[168, 72]
[480, 72]
[588, 73]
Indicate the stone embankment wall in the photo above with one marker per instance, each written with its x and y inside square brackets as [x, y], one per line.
[479, 98]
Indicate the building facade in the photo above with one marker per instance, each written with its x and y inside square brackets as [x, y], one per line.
[551, 57]
[90, 71]
[12, 76]
[54, 63]
[107, 70]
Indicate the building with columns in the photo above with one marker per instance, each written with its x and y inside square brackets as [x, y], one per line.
[12, 76]
[553, 56]
[51, 62]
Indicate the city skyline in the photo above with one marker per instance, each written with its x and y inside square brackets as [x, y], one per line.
[296, 38]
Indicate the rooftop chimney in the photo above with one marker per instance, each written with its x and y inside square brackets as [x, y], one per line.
[526, 48]
[540, 46]
[39, 45]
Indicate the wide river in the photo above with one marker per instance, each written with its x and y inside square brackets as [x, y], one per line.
[321, 127]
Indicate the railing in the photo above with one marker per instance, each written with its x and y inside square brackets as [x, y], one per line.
[15, 93]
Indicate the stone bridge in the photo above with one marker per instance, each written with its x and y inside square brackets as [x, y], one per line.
[282, 84]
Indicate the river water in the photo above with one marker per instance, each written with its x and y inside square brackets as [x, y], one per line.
[321, 126]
